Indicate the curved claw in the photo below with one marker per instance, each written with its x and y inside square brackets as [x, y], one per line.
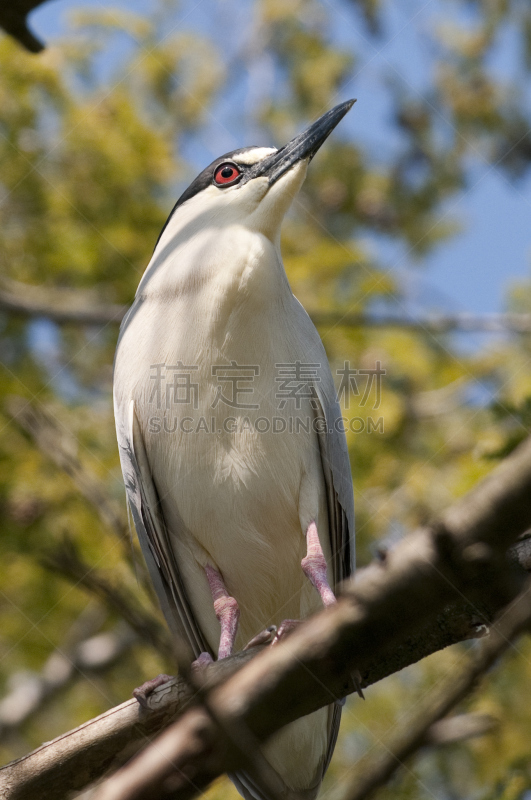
[356, 680]
[286, 627]
[142, 693]
[264, 637]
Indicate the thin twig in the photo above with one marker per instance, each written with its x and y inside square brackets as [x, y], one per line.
[78, 306]
[67, 562]
[58, 444]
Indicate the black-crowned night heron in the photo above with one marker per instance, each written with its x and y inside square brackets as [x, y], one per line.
[231, 442]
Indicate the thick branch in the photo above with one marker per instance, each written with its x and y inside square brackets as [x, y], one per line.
[458, 557]
[322, 648]
[79, 306]
[81, 756]
[78, 757]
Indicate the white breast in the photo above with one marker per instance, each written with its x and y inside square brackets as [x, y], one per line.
[236, 494]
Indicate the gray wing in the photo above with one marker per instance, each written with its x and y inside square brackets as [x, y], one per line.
[338, 480]
[152, 532]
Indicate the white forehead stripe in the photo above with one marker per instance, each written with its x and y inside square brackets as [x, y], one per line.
[253, 156]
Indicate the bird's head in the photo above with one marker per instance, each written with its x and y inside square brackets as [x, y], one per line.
[252, 186]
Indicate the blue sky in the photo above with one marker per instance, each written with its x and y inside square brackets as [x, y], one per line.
[477, 267]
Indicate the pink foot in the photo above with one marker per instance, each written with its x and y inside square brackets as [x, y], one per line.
[286, 627]
[314, 566]
[142, 692]
[264, 637]
[202, 661]
[226, 610]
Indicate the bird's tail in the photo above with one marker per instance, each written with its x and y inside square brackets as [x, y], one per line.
[251, 789]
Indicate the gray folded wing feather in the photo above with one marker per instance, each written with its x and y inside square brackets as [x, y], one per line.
[338, 481]
[153, 534]
[340, 501]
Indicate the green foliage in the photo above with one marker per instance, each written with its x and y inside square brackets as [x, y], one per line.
[90, 168]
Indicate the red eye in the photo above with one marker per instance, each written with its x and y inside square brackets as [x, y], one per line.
[226, 173]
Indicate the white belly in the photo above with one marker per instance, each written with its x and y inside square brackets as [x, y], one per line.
[236, 492]
[239, 495]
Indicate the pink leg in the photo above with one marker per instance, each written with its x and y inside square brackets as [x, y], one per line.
[226, 609]
[202, 661]
[314, 565]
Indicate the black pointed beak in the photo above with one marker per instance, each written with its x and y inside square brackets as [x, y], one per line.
[303, 146]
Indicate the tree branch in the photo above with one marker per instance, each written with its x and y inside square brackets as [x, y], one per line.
[106, 741]
[67, 562]
[437, 587]
[30, 691]
[81, 307]
[414, 733]
[13, 19]
[431, 323]
[58, 444]
[75, 759]
[459, 556]
[459, 728]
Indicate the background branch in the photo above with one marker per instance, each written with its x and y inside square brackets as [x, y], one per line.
[30, 691]
[459, 728]
[13, 21]
[431, 323]
[79, 306]
[68, 562]
[58, 444]
[62, 305]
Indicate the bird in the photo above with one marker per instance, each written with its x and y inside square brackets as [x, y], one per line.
[232, 447]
